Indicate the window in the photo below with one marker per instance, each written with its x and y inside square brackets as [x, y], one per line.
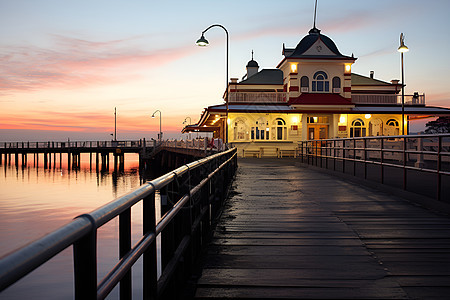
[336, 84]
[304, 84]
[280, 129]
[320, 82]
[392, 127]
[240, 130]
[357, 129]
[313, 120]
[260, 130]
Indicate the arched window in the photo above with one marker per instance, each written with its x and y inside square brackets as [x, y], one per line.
[279, 131]
[304, 84]
[336, 84]
[240, 130]
[357, 129]
[392, 127]
[320, 82]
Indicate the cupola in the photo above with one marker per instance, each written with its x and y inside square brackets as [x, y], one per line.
[252, 67]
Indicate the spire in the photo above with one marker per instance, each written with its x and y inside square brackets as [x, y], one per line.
[315, 15]
[252, 54]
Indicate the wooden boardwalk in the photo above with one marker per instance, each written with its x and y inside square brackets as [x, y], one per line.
[289, 232]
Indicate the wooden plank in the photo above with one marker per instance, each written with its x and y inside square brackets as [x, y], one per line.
[291, 233]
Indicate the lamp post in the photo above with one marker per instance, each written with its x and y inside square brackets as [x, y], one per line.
[403, 49]
[160, 132]
[115, 124]
[185, 120]
[202, 42]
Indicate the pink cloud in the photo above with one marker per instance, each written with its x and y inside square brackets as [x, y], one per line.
[73, 63]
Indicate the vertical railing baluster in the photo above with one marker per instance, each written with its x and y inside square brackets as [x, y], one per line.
[382, 160]
[150, 272]
[124, 247]
[85, 264]
[438, 169]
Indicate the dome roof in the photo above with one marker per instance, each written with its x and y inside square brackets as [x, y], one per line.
[309, 40]
[252, 63]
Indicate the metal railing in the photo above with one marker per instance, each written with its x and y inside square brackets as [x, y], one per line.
[194, 194]
[388, 99]
[406, 161]
[257, 97]
[72, 144]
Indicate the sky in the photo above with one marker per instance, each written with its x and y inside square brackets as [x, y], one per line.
[65, 65]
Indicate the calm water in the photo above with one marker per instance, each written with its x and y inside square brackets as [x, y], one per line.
[35, 201]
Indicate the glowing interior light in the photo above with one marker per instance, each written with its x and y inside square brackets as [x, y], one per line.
[348, 68]
[293, 68]
[229, 121]
[294, 119]
[342, 119]
[315, 119]
[368, 116]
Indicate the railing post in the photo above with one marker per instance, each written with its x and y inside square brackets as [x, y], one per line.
[150, 272]
[124, 247]
[404, 162]
[438, 169]
[382, 160]
[85, 264]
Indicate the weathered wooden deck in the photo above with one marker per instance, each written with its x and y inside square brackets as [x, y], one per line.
[291, 232]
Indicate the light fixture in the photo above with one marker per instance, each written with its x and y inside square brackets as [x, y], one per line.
[367, 116]
[402, 47]
[348, 68]
[293, 68]
[202, 42]
[294, 120]
[342, 119]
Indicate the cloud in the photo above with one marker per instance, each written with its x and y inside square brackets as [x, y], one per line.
[73, 63]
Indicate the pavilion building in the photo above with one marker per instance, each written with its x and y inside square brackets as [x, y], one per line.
[312, 94]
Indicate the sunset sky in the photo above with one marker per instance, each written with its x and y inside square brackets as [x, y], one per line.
[65, 65]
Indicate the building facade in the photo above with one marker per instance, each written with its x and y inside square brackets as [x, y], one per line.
[312, 94]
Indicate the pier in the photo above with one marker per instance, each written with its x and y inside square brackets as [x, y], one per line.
[362, 218]
[292, 232]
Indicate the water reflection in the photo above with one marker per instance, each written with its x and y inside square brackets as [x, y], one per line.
[35, 200]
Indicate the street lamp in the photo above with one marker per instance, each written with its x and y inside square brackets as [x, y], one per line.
[153, 116]
[202, 42]
[185, 120]
[403, 49]
[115, 124]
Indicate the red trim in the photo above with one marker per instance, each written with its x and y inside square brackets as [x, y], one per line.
[293, 73]
[285, 88]
[293, 89]
[348, 75]
[319, 99]
[347, 89]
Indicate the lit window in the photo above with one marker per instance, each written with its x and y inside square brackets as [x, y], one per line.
[320, 82]
[357, 129]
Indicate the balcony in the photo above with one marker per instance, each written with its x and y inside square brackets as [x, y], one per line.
[415, 99]
[257, 97]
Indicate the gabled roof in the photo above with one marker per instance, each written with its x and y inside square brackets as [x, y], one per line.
[319, 99]
[265, 76]
[363, 80]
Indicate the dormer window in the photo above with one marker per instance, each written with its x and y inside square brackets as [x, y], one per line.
[320, 82]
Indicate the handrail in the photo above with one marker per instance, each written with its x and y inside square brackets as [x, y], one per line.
[218, 170]
[428, 153]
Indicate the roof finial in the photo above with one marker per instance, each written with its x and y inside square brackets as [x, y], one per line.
[315, 14]
[252, 54]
